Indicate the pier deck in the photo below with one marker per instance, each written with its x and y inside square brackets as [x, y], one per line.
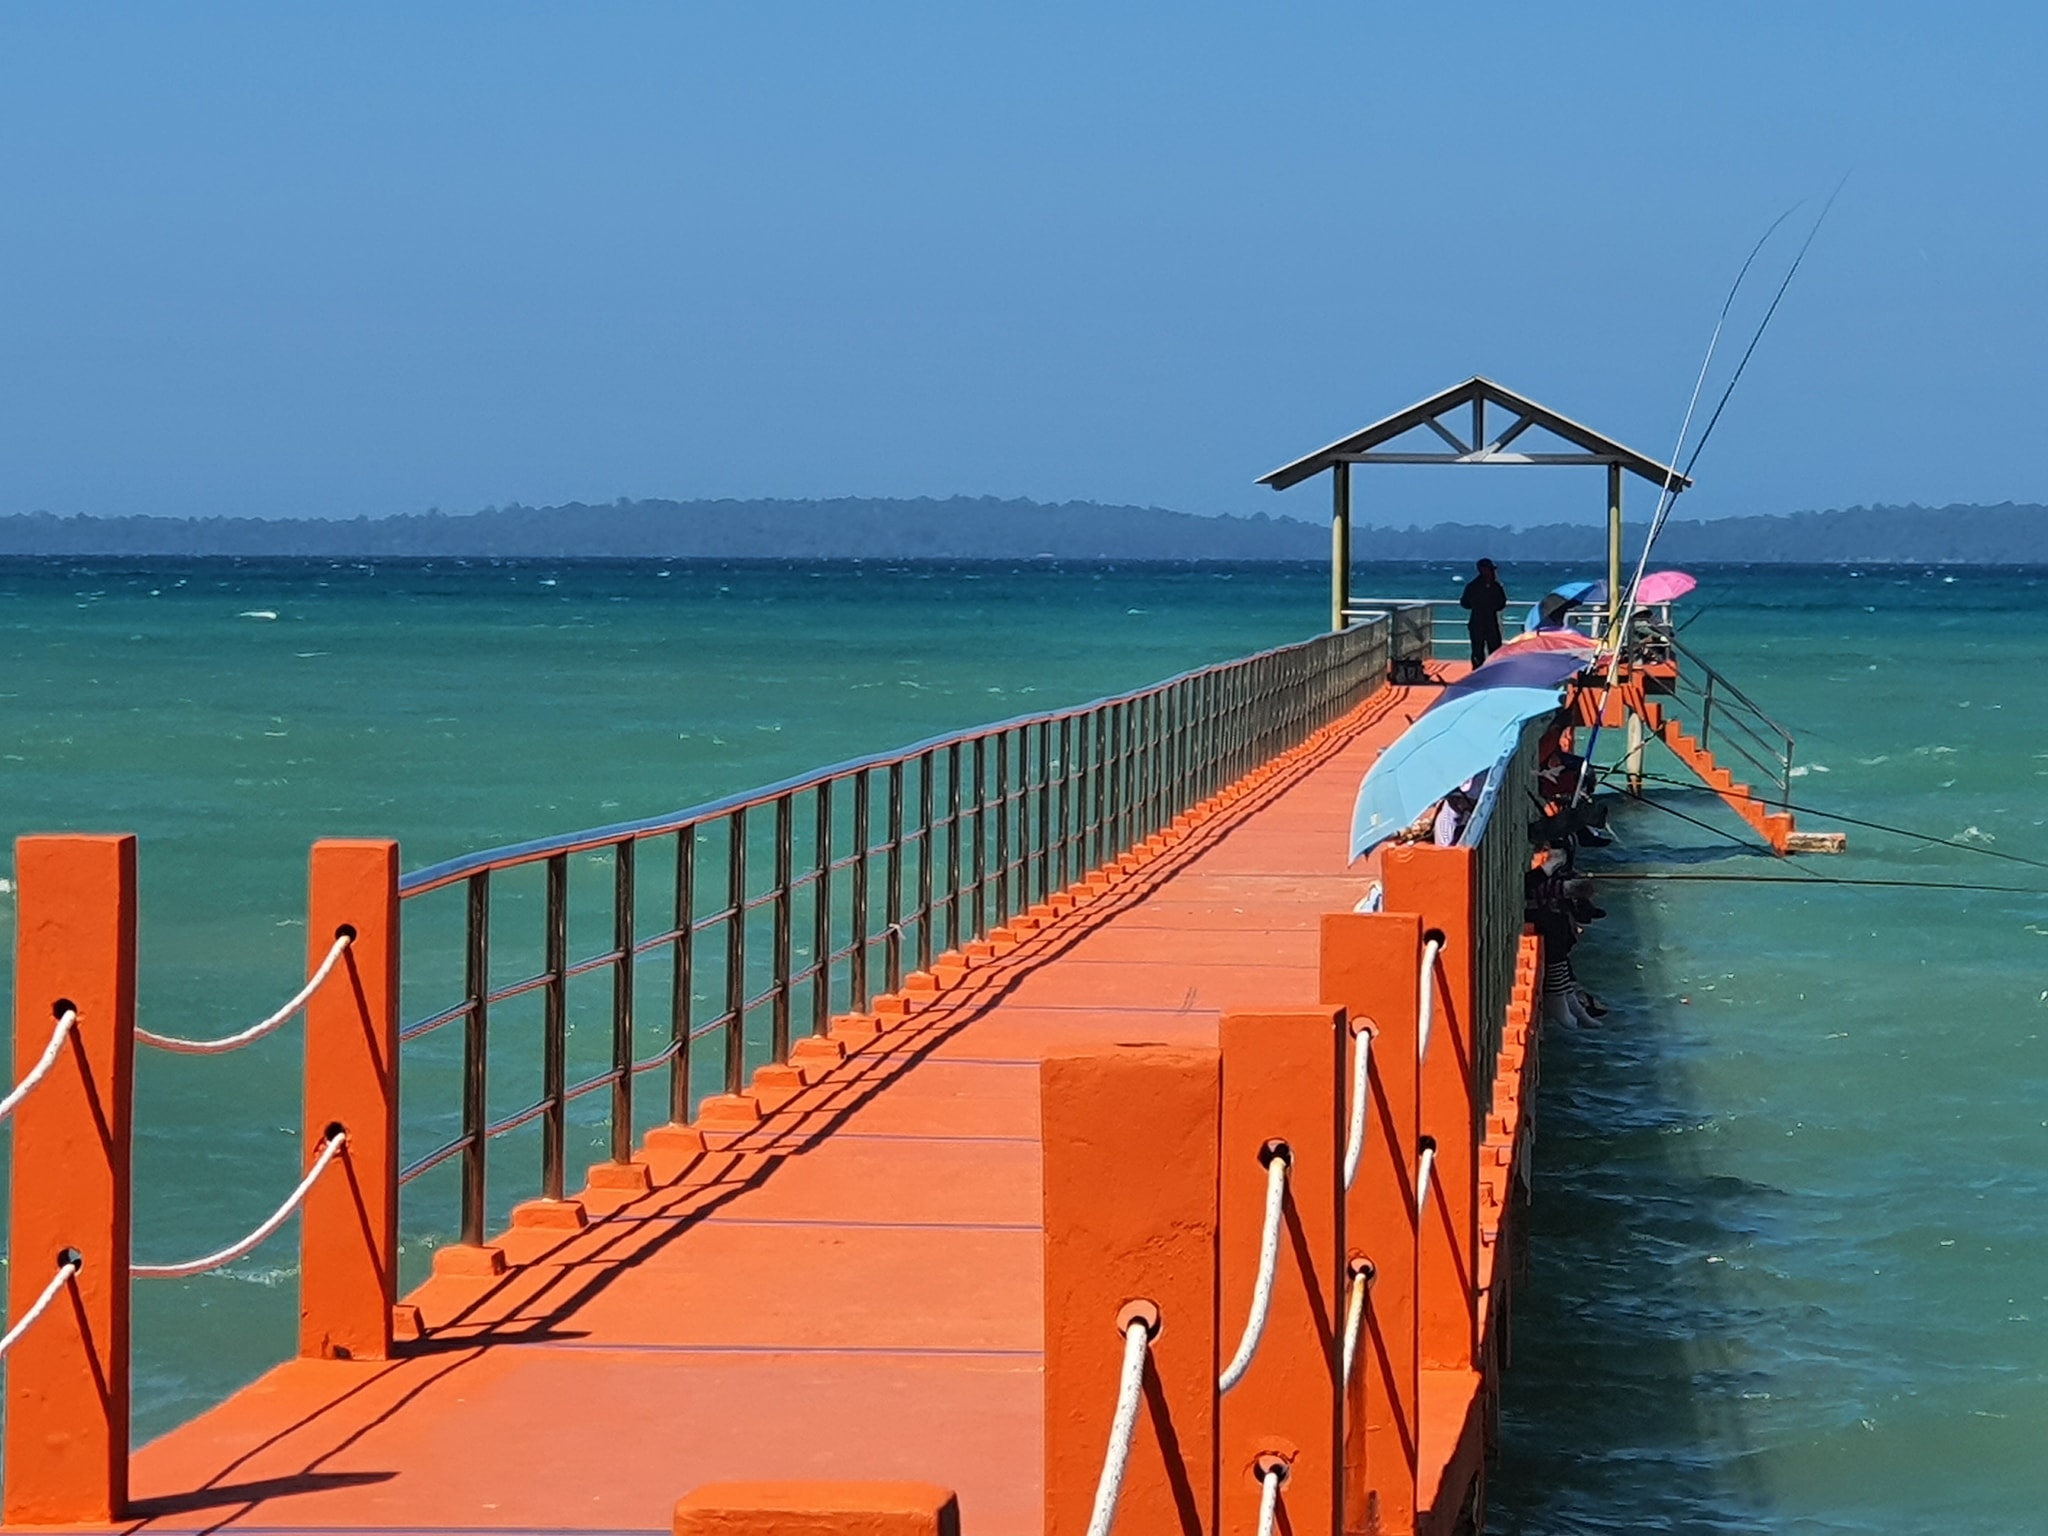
[850, 1288]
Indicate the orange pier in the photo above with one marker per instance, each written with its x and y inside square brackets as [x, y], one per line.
[1115, 987]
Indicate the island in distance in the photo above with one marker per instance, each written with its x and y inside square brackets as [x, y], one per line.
[988, 528]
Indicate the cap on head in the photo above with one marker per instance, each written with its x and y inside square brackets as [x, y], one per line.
[1486, 565]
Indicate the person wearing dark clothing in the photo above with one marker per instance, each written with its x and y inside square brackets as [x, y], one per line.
[1484, 599]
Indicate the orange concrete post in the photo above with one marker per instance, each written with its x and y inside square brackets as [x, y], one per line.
[1283, 1095]
[67, 1379]
[1440, 884]
[818, 1509]
[348, 1235]
[1370, 967]
[1130, 1217]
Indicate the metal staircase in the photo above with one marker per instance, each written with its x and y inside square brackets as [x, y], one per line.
[1733, 727]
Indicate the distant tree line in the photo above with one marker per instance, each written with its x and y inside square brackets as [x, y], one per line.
[960, 528]
[2006, 534]
[973, 528]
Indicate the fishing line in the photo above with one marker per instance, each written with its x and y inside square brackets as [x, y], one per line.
[1854, 821]
[1910, 885]
[1740, 842]
[1806, 876]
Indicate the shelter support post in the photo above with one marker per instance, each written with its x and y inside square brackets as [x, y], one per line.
[1340, 542]
[71, 1194]
[348, 1236]
[1614, 549]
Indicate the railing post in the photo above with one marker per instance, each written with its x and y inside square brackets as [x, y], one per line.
[68, 1378]
[1281, 1089]
[623, 929]
[1441, 885]
[1370, 966]
[348, 1235]
[1130, 1140]
[476, 1061]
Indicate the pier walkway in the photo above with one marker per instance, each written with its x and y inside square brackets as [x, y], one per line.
[848, 1290]
[1014, 1083]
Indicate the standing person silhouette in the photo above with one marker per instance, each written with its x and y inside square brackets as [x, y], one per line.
[1485, 598]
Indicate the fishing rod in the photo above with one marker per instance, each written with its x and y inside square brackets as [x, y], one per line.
[1855, 821]
[1668, 492]
[1624, 610]
[1910, 885]
[1666, 503]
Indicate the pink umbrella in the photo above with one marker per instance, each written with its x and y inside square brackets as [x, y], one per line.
[1552, 640]
[1664, 587]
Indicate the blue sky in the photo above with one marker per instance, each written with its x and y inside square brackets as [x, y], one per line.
[286, 260]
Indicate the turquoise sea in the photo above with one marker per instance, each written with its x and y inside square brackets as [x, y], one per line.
[1789, 1224]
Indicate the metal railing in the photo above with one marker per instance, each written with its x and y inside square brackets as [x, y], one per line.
[1498, 830]
[1729, 723]
[1431, 626]
[1423, 627]
[1435, 626]
[785, 906]
[1411, 625]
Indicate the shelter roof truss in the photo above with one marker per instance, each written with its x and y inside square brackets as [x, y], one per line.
[1458, 417]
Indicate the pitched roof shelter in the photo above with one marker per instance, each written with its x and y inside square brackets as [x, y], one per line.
[1458, 418]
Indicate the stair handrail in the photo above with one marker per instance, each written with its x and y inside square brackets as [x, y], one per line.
[1744, 719]
[1720, 681]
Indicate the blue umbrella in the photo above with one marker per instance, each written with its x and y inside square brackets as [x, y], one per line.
[1456, 738]
[1518, 669]
[1550, 612]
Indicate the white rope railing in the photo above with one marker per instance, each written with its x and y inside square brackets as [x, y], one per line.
[58, 1281]
[1361, 1093]
[1269, 1497]
[1424, 1167]
[1122, 1428]
[1269, 1264]
[255, 1239]
[1432, 950]
[1354, 1316]
[66, 1022]
[258, 1030]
